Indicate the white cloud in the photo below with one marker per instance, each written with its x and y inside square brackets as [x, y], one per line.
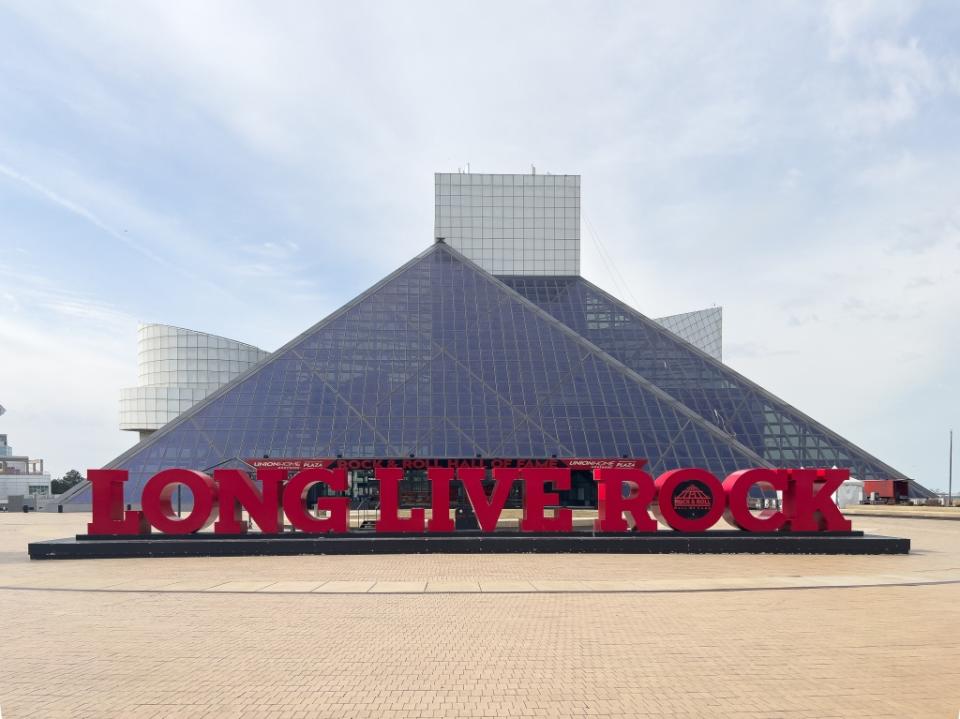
[76, 209]
[64, 356]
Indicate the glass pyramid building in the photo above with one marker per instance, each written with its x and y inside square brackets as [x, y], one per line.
[443, 359]
[780, 434]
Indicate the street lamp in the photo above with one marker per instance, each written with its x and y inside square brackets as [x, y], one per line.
[950, 473]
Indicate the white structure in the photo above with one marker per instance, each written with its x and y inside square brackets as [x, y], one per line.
[511, 224]
[20, 475]
[702, 328]
[849, 494]
[177, 369]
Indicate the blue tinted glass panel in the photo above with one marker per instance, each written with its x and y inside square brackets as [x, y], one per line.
[765, 424]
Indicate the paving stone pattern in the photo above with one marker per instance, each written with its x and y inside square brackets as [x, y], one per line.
[482, 636]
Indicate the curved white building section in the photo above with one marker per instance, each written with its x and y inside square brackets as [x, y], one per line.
[178, 368]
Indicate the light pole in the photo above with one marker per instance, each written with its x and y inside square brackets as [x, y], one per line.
[950, 473]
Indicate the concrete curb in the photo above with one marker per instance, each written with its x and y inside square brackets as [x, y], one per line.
[955, 517]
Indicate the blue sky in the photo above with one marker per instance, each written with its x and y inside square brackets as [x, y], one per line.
[244, 169]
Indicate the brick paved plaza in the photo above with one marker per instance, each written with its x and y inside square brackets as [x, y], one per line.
[482, 636]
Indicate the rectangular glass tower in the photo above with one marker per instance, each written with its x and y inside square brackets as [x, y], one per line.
[511, 224]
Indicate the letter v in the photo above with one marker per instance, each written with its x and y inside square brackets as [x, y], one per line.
[487, 511]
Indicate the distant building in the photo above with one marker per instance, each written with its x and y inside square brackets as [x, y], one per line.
[21, 476]
[178, 368]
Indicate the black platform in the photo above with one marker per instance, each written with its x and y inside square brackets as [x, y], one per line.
[715, 542]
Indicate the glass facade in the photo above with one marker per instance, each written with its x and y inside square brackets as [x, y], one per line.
[768, 426]
[442, 359]
[702, 329]
[439, 359]
[511, 224]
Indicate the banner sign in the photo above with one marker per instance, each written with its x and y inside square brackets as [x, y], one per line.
[629, 499]
[414, 463]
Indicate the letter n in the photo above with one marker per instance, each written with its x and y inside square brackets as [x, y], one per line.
[236, 492]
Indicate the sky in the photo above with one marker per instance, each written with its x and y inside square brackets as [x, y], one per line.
[244, 169]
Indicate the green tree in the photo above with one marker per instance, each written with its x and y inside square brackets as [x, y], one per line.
[59, 486]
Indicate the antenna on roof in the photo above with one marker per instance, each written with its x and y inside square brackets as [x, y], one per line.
[533, 169]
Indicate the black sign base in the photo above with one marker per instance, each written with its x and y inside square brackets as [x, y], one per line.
[716, 542]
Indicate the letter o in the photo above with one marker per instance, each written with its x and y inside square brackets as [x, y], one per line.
[668, 482]
[157, 501]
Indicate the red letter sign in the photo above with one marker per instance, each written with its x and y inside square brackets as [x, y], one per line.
[295, 495]
[487, 511]
[440, 478]
[737, 486]
[808, 501]
[390, 519]
[158, 493]
[535, 500]
[237, 492]
[106, 489]
[689, 500]
[611, 504]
